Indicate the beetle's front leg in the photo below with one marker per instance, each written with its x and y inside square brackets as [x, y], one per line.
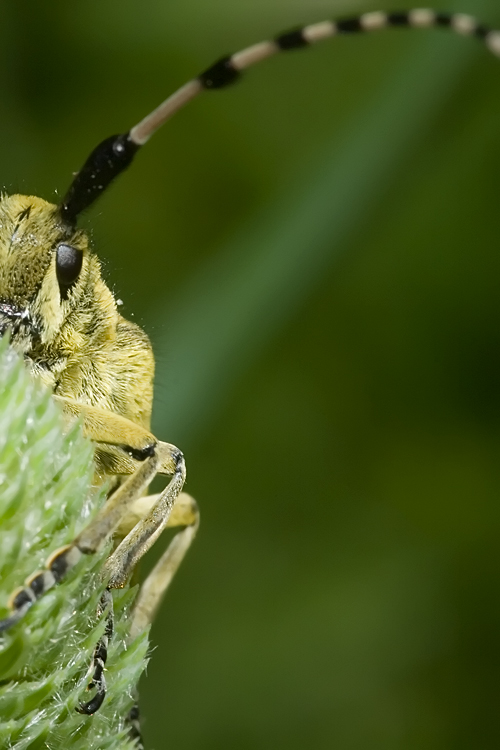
[125, 448]
[120, 565]
[132, 450]
[122, 562]
[185, 514]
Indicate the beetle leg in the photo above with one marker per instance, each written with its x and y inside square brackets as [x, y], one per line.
[152, 591]
[123, 560]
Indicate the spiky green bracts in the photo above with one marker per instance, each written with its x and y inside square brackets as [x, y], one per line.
[45, 500]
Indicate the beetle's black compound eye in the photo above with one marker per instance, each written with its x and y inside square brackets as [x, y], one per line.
[68, 266]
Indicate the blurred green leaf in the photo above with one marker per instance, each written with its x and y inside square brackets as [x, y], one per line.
[234, 305]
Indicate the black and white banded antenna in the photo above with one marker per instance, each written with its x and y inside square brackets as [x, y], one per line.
[113, 155]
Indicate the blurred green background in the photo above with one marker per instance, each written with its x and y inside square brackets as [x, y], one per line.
[315, 256]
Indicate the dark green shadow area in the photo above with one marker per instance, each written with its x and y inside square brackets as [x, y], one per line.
[238, 301]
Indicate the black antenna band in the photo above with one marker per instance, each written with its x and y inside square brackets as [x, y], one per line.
[107, 161]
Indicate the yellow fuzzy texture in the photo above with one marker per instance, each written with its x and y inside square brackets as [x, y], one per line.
[78, 344]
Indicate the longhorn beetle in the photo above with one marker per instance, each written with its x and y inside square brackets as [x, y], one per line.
[63, 319]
